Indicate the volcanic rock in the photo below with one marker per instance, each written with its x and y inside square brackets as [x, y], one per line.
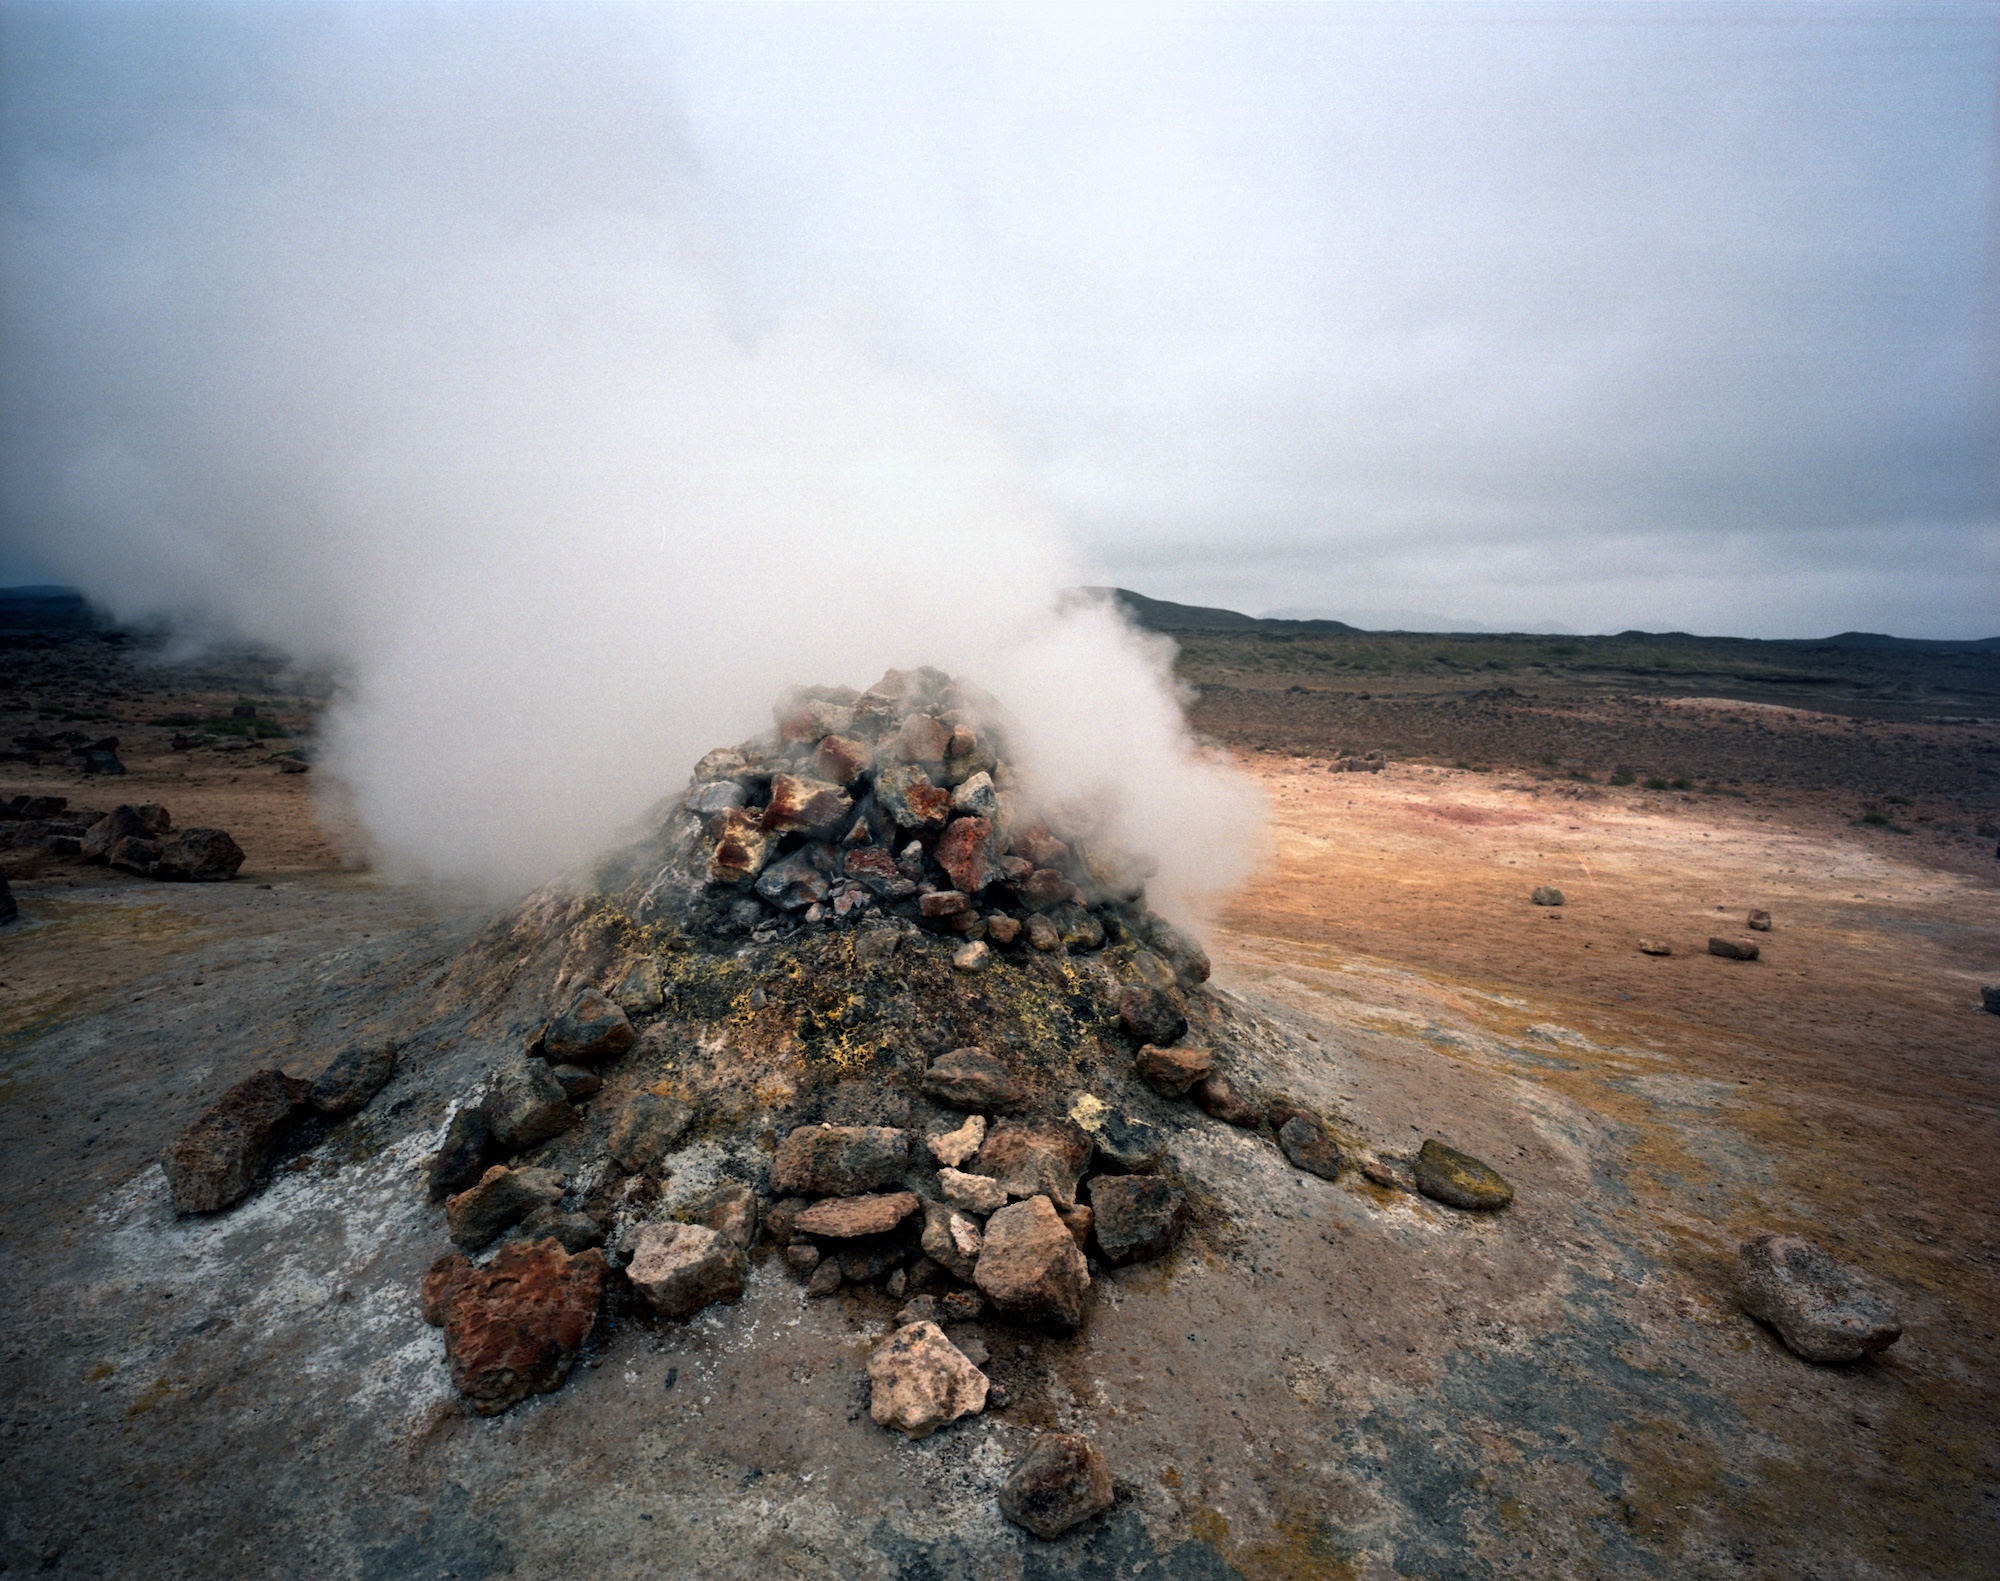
[923, 738]
[1030, 1267]
[971, 957]
[640, 991]
[919, 1381]
[1759, 922]
[965, 852]
[794, 882]
[1041, 933]
[1733, 949]
[1989, 998]
[1654, 947]
[1822, 1309]
[502, 1199]
[1172, 1071]
[845, 1218]
[575, 1232]
[961, 1306]
[815, 808]
[1061, 1481]
[512, 1328]
[468, 1146]
[944, 905]
[215, 1161]
[841, 760]
[729, 1209]
[355, 1076]
[705, 801]
[593, 1029]
[839, 1160]
[1078, 1221]
[8, 909]
[146, 822]
[971, 1078]
[803, 1258]
[1546, 895]
[1310, 1145]
[1218, 1097]
[1002, 929]
[1150, 1015]
[951, 1239]
[576, 1082]
[955, 1147]
[1122, 1142]
[646, 1130]
[921, 1309]
[681, 1268]
[1044, 889]
[1035, 844]
[526, 1105]
[199, 855]
[1459, 1179]
[134, 855]
[908, 796]
[1139, 1217]
[1035, 1157]
[741, 847]
[979, 1194]
[876, 868]
[1187, 958]
[824, 1279]
[100, 760]
[975, 797]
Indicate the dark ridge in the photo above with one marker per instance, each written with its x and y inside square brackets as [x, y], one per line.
[45, 608]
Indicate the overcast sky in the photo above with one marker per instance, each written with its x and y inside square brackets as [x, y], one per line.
[1599, 317]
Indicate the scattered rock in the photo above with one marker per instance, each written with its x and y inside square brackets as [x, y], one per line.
[961, 1306]
[134, 855]
[1122, 1142]
[919, 1381]
[646, 1130]
[1822, 1309]
[1759, 921]
[576, 1232]
[501, 1200]
[591, 1031]
[815, 808]
[971, 1078]
[1041, 934]
[1546, 895]
[1151, 1015]
[1077, 928]
[576, 1082]
[845, 1218]
[1310, 1145]
[1386, 1174]
[922, 1309]
[974, 1193]
[971, 957]
[1002, 929]
[839, 1160]
[640, 991]
[98, 760]
[1218, 1097]
[1654, 947]
[468, 1148]
[526, 1105]
[975, 797]
[1459, 1179]
[965, 852]
[1061, 1481]
[952, 1239]
[148, 821]
[741, 846]
[199, 856]
[955, 1147]
[1030, 1267]
[1990, 998]
[803, 1258]
[729, 1209]
[1139, 1217]
[825, 1279]
[1733, 949]
[1035, 1158]
[512, 1328]
[354, 1077]
[215, 1161]
[876, 869]
[906, 793]
[1172, 1071]
[681, 1268]
[841, 760]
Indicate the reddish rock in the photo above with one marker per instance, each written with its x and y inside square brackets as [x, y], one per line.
[199, 855]
[1031, 1268]
[951, 1239]
[1172, 1071]
[876, 868]
[512, 1328]
[215, 1161]
[1001, 929]
[741, 846]
[729, 1209]
[1078, 1220]
[841, 760]
[593, 1029]
[1037, 846]
[806, 806]
[1139, 1217]
[1061, 1481]
[919, 1381]
[1760, 922]
[965, 852]
[973, 1080]
[1151, 1015]
[1218, 1097]
[681, 1268]
[1035, 1157]
[922, 739]
[1044, 889]
[907, 795]
[844, 1218]
[840, 1160]
[944, 905]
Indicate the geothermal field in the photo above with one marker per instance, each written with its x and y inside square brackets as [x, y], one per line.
[1566, 1153]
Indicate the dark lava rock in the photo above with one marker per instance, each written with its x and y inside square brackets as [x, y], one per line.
[876, 868]
[1822, 1309]
[120, 823]
[1990, 998]
[794, 882]
[1310, 1145]
[973, 1080]
[1138, 1217]
[133, 855]
[646, 1130]
[840, 1160]
[215, 1161]
[199, 856]
[526, 1105]
[576, 1231]
[1151, 1015]
[681, 1268]
[1079, 931]
[593, 1029]
[8, 909]
[512, 1328]
[1546, 895]
[1187, 958]
[1035, 1158]
[1172, 1071]
[576, 1082]
[1030, 1267]
[99, 761]
[1448, 1175]
[1061, 1481]
[1044, 889]
[1733, 949]
[1218, 1097]
[502, 1199]
[845, 1218]
[354, 1077]
[468, 1147]
[1122, 1142]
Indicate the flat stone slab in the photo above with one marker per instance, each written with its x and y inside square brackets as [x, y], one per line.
[844, 1218]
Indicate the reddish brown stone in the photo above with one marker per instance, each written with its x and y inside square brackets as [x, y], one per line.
[215, 1161]
[591, 1030]
[741, 846]
[1035, 1157]
[1219, 1098]
[944, 904]
[973, 1080]
[1733, 949]
[512, 1328]
[841, 760]
[906, 793]
[1031, 1268]
[965, 852]
[1172, 1071]
[1044, 889]
[1002, 929]
[1078, 1220]
[839, 1160]
[806, 806]
[844, 1218]
[875, 867]
[922, 739]
[1040, 848]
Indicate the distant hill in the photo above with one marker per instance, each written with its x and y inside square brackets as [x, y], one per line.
[44, 609]
[1874, 639]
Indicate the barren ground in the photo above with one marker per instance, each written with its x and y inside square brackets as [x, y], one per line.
[1328, 1381]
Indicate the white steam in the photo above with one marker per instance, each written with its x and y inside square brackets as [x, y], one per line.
[400, 339]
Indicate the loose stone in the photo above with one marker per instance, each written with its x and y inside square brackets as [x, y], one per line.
[502, 1199]
[974, 1193]
[468, 1146]
[681, 1268]
[1546, 895]
[1759, 921]
[512, 1328]
[576, 1082]
[951, 1239]
[526, 1105]
[839, 1160]
[1459, 1179]
[955, 1147]
[1035, 1157]
[1151, 1015]
[1823, 1310]
[1061, 1481]
[1218, 1097]
[353, 1077]
[844, 1218]
[1041, 934]
[971, 957]
[1172, 1071]
[592, 1030]
[640, 991]
[1733, 949]
[1310, 1145]
[215, 1161]
[1139, 1217]
[729, 1209]
[919, 1381]
[1121, 1142]
[1031, 1268]
[971, 1078]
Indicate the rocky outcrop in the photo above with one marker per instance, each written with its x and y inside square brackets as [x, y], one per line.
[646, 1130]
[1138, 1217]
[352, 1078]
[591, 1030]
